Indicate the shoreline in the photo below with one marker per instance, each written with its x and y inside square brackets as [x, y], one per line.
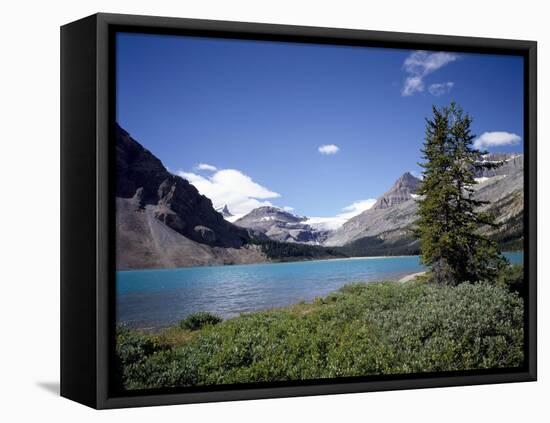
[411, 277]
[268, 262]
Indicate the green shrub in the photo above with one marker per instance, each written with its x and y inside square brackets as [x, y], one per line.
[511, 279]
[133, 348]
[383, 328]
[198, 320]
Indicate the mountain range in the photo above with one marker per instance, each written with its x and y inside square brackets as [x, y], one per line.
[281, 225]
[163, 221]
[386, 227]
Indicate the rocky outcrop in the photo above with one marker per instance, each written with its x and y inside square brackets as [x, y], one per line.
[280, 225]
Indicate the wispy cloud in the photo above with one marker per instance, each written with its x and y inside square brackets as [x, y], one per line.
[420, 64]
[412, 84]
[496, 139]
[231, 187]
[334, 222]
[440, 88]
[288, 208]
[206, 166]
[328, 149]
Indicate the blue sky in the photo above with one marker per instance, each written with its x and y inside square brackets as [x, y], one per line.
[259, 113]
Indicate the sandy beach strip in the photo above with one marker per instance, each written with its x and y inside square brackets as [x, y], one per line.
[411, 277]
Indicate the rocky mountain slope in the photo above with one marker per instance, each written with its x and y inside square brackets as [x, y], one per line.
[176, 202]
[512, 162]
[145, 242]
[163, 221]
[402, 190]
[280, 225]
[388, 219]
[506, 196]
[386, 228]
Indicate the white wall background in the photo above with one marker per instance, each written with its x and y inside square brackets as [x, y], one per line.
[29, 235]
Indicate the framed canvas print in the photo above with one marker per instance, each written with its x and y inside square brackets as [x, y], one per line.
[254, 211]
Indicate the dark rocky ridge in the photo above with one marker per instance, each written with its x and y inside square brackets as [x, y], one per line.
[172, 199]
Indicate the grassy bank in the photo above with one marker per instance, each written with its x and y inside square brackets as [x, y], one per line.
[382, 328]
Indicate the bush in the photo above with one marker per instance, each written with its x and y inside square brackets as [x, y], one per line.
[133, 348]
[511, 279]
[384, 328]
[198, 320]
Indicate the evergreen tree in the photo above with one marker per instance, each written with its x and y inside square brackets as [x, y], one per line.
[449, 218]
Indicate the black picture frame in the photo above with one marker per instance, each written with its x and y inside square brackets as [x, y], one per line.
[87, 210]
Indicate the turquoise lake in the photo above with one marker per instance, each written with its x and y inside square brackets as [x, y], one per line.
[157, 298]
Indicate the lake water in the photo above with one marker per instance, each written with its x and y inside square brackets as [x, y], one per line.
[160, 297]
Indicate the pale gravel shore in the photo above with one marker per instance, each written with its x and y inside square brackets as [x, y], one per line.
[412, 276]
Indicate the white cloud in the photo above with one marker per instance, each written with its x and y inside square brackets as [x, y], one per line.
[328, 149]
[440, 88]
[334, 222]
[206, 166]
[420, 64]
[412, 84]
[231, 187]
[496, 139]
[288, 208]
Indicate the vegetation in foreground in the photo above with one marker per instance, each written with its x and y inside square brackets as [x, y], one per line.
[374, 329]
